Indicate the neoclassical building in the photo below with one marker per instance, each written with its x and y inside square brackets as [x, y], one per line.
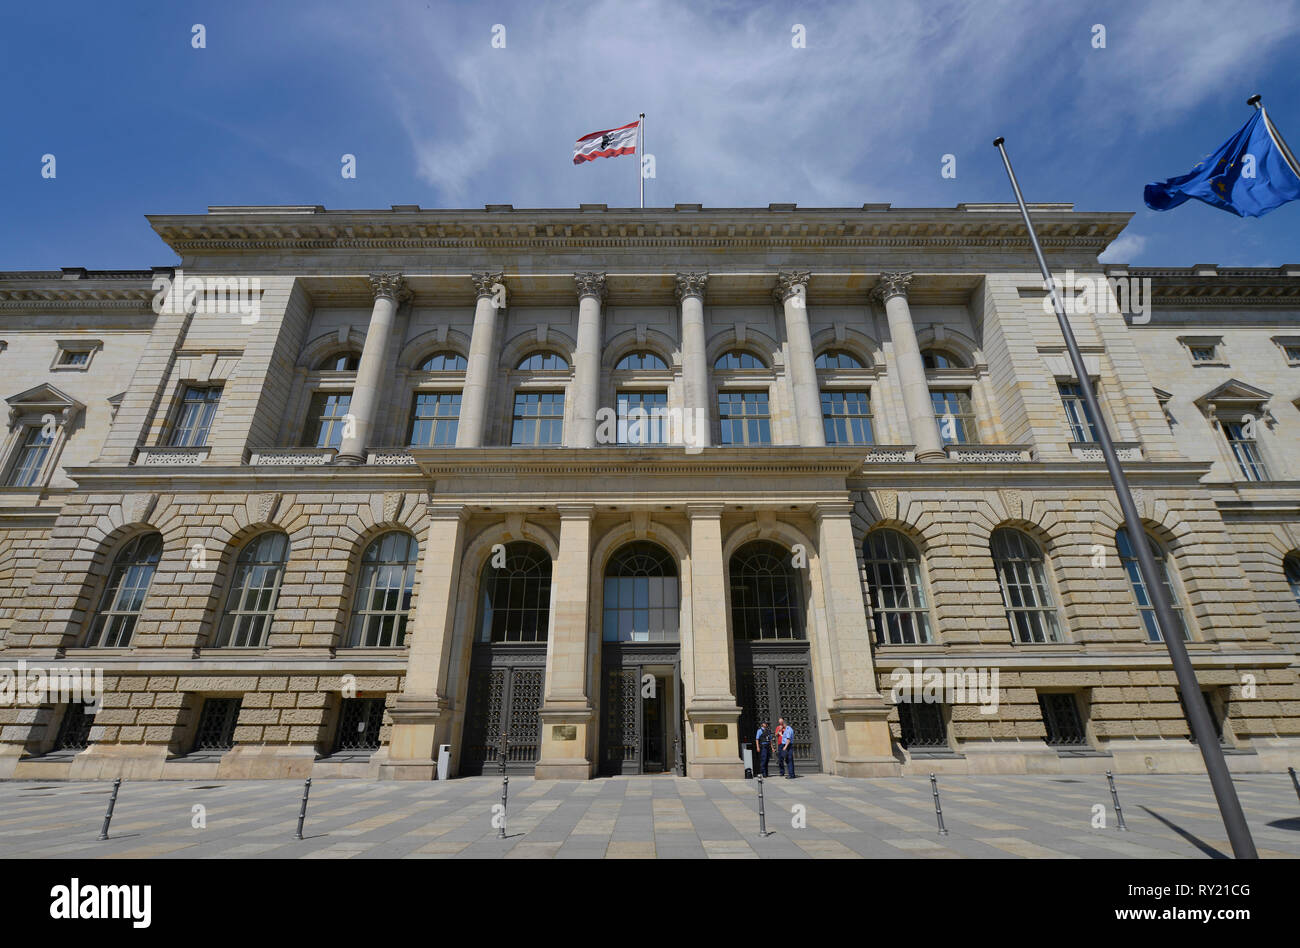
[600, 489]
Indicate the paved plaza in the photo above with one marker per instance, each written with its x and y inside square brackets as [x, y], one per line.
[646, 817]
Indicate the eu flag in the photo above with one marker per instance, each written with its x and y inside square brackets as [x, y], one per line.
[1250, 174]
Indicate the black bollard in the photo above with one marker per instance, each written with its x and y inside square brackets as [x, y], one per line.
[1119, 814]
[505, 784]
[1294, 781]
[108, 815]
[762, 816]
[302, 812]
[938, 810]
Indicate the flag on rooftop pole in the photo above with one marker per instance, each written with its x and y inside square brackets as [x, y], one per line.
[612, 142]
[1250, 174]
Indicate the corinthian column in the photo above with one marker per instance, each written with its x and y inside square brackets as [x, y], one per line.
[586, 360]
[389, 290]
[481, 365]
[924, 431]
[695, 370]
[792, 292]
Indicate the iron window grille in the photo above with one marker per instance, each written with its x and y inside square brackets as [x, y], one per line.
[125, 591]
[538, 419]
[921, 725]
[899, 609]
[954, 415]
[194, 414]
[641, 602]
[435, 417]
[1147, 611]
[74, 729]
[766, 594]
[1061, 720]
[846, 417]
[1245, 451]
[1083, 427]
[384, 589]
[326, 419]
[217, 719]
[359, 722]
[744, 418]
[29, 463]
[254, 591]
[516, 596]
[1209, 707]
[1026, 593]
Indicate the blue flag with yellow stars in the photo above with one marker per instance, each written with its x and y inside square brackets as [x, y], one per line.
[1250, 174]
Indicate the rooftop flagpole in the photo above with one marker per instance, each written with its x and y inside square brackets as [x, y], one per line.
[640, 148]
[1198, 715]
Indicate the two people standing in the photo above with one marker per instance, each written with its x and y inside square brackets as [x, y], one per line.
[783, 738]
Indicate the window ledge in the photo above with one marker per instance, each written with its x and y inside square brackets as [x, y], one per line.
[172, 457]
[890, 453]
[990, 453]
[934, 754]
[1091, 450]
[292, 457]
[393, 457]
[1070, 751]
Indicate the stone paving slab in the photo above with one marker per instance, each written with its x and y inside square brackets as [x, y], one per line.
[817, 817]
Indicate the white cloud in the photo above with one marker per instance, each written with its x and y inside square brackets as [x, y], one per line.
[1124, 250]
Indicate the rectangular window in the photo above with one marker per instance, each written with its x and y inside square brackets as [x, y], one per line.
[846, 417]
[954, 415]
[1292, 353]
[1245, 450]
[198, 406]
[74, 729]
[31, 457]
[1214, 716]
[359, 722]
[435, 417]
[744, 418]
[1061, 720]
[642, 417]
[1082, 426]
[326, 418]
[74, 357]
[1202, 353]
[216, 730]
[922, 726]
[538, 418]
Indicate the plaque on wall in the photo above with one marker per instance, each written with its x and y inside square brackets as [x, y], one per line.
[564, 732]
[715, 732]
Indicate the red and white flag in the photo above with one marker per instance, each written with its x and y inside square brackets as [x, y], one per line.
[607, 144]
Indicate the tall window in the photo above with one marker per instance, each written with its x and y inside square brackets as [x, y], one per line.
[744, 418]
[543, 362]
[515, 603]
[639, 361]
[1245, 450]
[194, 416]
[538, 418]
[1080, 420]
[766, 595]
[641, 596]
[29, 463]
[846, 417]
[642, 417]
[941, 359]
[899, 608]
[954, 415]
[837, 359]
[384, 588]
[124, 593]
[346, 361]
[434, 419]
[1291, 566]
[254, 591]
[1026, 594]
[1146, 611]
[738, 359]
[326, 418]
[444, 362]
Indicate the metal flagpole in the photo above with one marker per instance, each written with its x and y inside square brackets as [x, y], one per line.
[1243, 847]
[640, 178]
[1257, 101]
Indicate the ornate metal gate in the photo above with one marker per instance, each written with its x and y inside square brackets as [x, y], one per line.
[774, 680]
[505, 693]
[623, 709]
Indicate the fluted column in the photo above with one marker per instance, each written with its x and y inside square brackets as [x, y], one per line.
[368, 389]
[481, 368]
[924, 431]
[695, 369]
[792, 292]
[586, 361]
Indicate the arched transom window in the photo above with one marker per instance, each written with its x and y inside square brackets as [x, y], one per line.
[515, 595]
[766, 593]
[898, 604]
[384, 589]
[254, 591]
[1026, 592]
[1147, 611]
[641, 595]
[640, 361]
[125, 592]
[446, 361]
[543, 362]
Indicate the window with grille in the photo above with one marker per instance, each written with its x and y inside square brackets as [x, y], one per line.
[326, 419]
[1215, 719]
[515, 596]
[846, 417]
[27, 466]
[766, 593]
[1082, 426]
[642, 417]
[1245, 450]
[435, 416]
[1061, 719]
[217, 719]
[837, 359]
[954, 415]
[359, 722]
[125, 592]
[194, 414]
[744, 418]
[444, 362]
[921, 725]
[639, 361]
[74, 729]
[898, 605]
[384, 590]
[1026, 593]
[1146, 610]
[254, 591]
[538, 419]
[641, 602]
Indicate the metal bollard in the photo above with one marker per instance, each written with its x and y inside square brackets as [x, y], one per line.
[302, 812]
[938, 810]
[108, 815]
[1291, 770]
[505, 784]
[1119, 814]
[762, 815]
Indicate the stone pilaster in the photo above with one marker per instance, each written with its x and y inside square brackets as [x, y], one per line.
[369, 386]
[586, 361]
[792, 293]
[480, 372]
[695, 369]
[891, 291]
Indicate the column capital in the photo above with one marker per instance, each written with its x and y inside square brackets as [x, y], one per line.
[590, 284]
[448, 512]
[576, 511]
[891, 285]
[838, 509]
[485, 281]
[388, 286]
[791, 283]
[705, 511]
[691, 284]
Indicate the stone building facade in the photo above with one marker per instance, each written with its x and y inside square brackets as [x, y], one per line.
[619, 484]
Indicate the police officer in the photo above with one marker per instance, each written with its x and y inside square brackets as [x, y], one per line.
[785, 753]
[763, 744]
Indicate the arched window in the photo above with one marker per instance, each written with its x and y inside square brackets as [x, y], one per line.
[640, 360]
[739, 359]
[542, 362]
[515, 598]
[444, 362]
[941, 359]
[345, 361]
[254, 590]
[384, 587]
[899, 608]
[125, 591]
[1026, 593]
[766, 595]
[838, 359]
[641, 595]
[1146, 611]
[1291, 566]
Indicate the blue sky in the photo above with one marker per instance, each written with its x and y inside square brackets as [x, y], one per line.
[141, 122]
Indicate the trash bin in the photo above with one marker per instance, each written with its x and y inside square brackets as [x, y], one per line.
[748, 754]
[444, 760]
